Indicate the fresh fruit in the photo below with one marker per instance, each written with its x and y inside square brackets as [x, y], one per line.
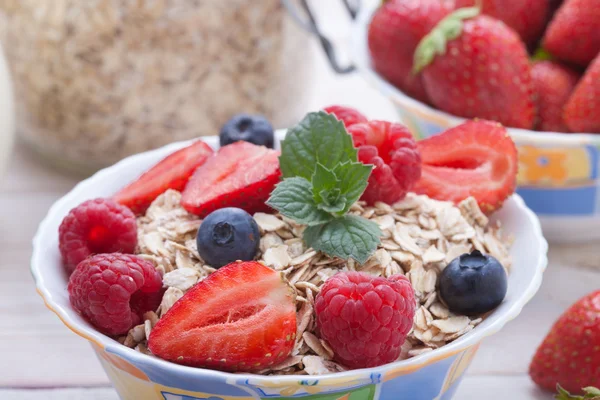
[553, 83]
[570, 354]
[391, 148]
[477, 158]
[582, 112]
[348, 115]
[573, 33]
[239, 175]
[394, 33]
[240, 318]
[527, 17]
[323, 178]
[228, 235]
[476, 66]
[113, 291]
[173, 172]
[590, 393]
[365, 319]
[96, 226]
[473, 284]
[249, 128]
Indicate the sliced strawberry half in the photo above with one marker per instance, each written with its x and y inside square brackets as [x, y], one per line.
[173, 172]
[240, 318]
[477, 158]
[239, 175]
[391, 148]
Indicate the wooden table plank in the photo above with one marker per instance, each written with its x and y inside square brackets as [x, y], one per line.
[60, 394]
[36, 348]
[517, 387]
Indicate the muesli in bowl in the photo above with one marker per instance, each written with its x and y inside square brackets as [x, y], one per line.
[343, 251]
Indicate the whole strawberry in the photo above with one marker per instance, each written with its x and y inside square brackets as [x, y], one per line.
[394, 33]
[475, 66]
[570, 354]
[554, 84]
[582, 112]
[574, 34]
[526, 17]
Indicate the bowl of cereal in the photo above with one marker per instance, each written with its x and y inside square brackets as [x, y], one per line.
[221, 297]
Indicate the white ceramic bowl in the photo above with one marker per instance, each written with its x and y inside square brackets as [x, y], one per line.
[559, 175]
[6, 114]
[137, 376]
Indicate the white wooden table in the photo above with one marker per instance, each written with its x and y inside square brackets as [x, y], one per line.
[42, 359]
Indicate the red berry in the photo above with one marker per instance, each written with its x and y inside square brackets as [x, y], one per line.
[527, 17]
[394, 33]
[365, 319]
[570, 354]
[241, 175]
[483, 73]
[553, 83]
[391, 148]
[96, 226]
[582, 112]
[573, 33]
[476, 158]
[348, 115]
[113, 291]
[173, 172]
[240, 318]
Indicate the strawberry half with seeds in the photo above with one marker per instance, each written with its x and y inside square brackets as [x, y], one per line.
[474, 66]
[241, 175]
[582, 112]
[173, 172]
[240, 318]
[476, 158]
[570, 354]
[554, 84]
[573, 33]
[391, 148]
[394, 33]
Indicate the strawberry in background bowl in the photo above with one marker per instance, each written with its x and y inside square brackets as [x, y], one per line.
[440, 65]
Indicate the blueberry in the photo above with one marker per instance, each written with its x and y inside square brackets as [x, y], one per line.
[249, 128]
[473, 284]
[227, 235]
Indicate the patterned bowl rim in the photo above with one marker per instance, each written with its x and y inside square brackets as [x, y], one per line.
[360, 55]
[71, 319]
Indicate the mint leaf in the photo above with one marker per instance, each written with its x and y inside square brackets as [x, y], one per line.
[347, 237]
[318, 138]
[332, 201]
[294, 198]
[323, 181]
[353, 177]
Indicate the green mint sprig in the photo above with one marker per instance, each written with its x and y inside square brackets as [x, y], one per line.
[322, 179]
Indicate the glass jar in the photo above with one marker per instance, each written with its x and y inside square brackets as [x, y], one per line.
[6, 115]
[98, 80]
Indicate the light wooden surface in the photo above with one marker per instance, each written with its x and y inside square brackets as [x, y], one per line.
[41, 359]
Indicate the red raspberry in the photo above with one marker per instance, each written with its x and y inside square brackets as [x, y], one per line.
[113, 291]
[96, 226]
[365, 318]
[391, 148]
[348, 115]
